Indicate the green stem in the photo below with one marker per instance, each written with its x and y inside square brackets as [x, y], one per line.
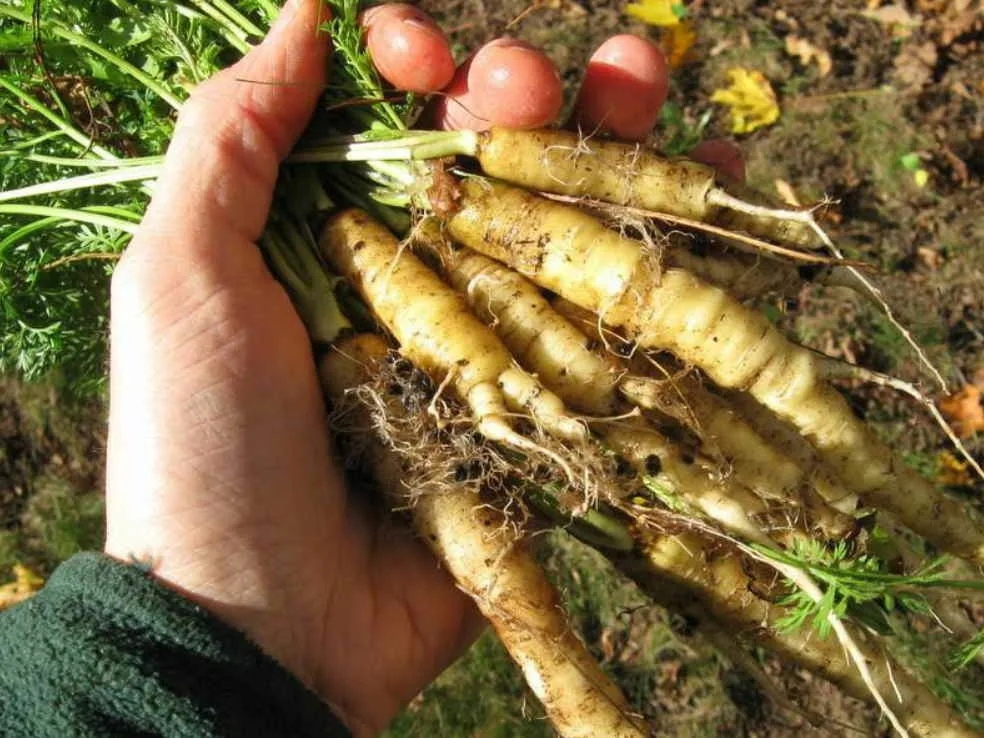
[416, 147]
[269, 8]
[124, 66]
[116, 212]
[236, 36]
[356, 192]
[31, 143]
[85, 181]
[239, 19]
[285, 272]
[79, 216]
[29, 229]
[899, 582]
[65, 161]
[593, 526]
[292, 257]
[230, 34]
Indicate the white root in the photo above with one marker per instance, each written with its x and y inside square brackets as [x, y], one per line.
[487, 555]
[438, 333]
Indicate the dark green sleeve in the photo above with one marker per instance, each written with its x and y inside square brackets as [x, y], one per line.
[105, 650]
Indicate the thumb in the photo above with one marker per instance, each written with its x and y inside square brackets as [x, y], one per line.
[231, 136]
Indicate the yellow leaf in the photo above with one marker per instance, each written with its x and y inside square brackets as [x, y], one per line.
[656, 12]
[677, 42]
[921, 177]
[750, 98]
[25, 583]
[964, 410]
[953, 473]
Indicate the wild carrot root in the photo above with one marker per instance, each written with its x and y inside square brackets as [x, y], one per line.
[744, 277]
[760, 458]
[716, 575]
[756, 457]
[534, 333]
[566, 163]
[575, 256]
[546, 344]
[437, 333]
[487, 555]
[503, 578]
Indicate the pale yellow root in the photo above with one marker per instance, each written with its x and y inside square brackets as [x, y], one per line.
[574, 255]
[489, 559]
[725, 502]
[438, 333]
[535, 334]
[566, 163]
[745, 278]
[783, 231]
[755, 462]
[551, 347]
[723, 588]
[755, 456]
[511, 590]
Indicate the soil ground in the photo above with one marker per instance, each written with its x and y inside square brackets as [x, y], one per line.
[903, 93]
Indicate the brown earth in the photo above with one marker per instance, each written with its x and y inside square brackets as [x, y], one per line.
[52, 451]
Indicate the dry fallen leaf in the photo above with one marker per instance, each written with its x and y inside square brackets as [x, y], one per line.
[959, 21]
[929, 258]
[786, 193]
[677, 43]
[657, 12]
[914, 65]
[896, 17]
[964, 411]
[25, 583]
[807, 52]
[750, 99]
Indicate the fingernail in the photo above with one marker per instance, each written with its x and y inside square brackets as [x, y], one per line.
[425, 26]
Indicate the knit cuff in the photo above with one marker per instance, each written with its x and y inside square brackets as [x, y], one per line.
[105, 649]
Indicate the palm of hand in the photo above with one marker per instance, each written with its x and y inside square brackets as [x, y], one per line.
[219, 466]
[260, 530]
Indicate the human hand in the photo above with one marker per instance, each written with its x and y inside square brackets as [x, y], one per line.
[219, 468]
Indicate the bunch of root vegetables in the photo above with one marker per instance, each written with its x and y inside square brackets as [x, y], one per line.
[594, 374]
[529, 330]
